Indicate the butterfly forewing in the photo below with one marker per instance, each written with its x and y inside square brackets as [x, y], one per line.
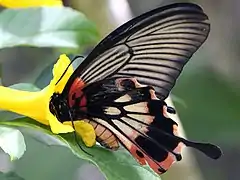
[153, 47]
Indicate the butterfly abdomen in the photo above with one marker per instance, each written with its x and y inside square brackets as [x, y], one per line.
[104, 136]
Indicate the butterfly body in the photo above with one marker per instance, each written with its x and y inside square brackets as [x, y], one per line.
[121, 86]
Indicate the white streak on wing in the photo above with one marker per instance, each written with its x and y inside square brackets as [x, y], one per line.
[138, 107]
[112, 111]
[125, 98]
[143, 118]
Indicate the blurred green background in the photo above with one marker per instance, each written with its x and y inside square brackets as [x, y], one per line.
[209, 87]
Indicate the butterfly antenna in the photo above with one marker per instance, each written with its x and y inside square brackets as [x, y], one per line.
[76, 57]
[76, 137]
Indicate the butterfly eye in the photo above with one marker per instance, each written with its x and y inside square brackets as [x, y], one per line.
[171, 110]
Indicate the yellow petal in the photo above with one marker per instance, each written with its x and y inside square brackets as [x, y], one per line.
[86, 131]
[29, 3]
[57, 127]
[59, 69]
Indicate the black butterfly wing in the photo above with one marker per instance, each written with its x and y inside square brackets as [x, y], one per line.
[153, 47]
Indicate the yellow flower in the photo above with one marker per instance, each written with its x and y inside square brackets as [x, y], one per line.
[29, 3]
[36, 104]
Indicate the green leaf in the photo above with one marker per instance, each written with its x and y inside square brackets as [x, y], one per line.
[46, 75]
[178, 100]
[10, 176]
[115, 165]
[60, 27]
[25, 87]
[39, 136]
[12, 142]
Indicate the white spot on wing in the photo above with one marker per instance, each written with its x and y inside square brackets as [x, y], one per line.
[138, 107]
[112, 111]
[147, 119]
[125, 98]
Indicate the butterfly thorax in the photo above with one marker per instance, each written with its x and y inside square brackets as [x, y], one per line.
[59, 107]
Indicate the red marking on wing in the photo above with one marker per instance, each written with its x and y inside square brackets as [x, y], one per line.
[166, 164]
[76, 92]
[133, 149]
[155, 165]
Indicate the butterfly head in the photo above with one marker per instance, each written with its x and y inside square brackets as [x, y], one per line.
[59, 107]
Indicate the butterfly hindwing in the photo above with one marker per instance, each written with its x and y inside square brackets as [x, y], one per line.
[134, 116]
[122, 110]
[153, 47]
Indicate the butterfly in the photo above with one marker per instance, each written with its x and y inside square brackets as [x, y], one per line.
[121, 86]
